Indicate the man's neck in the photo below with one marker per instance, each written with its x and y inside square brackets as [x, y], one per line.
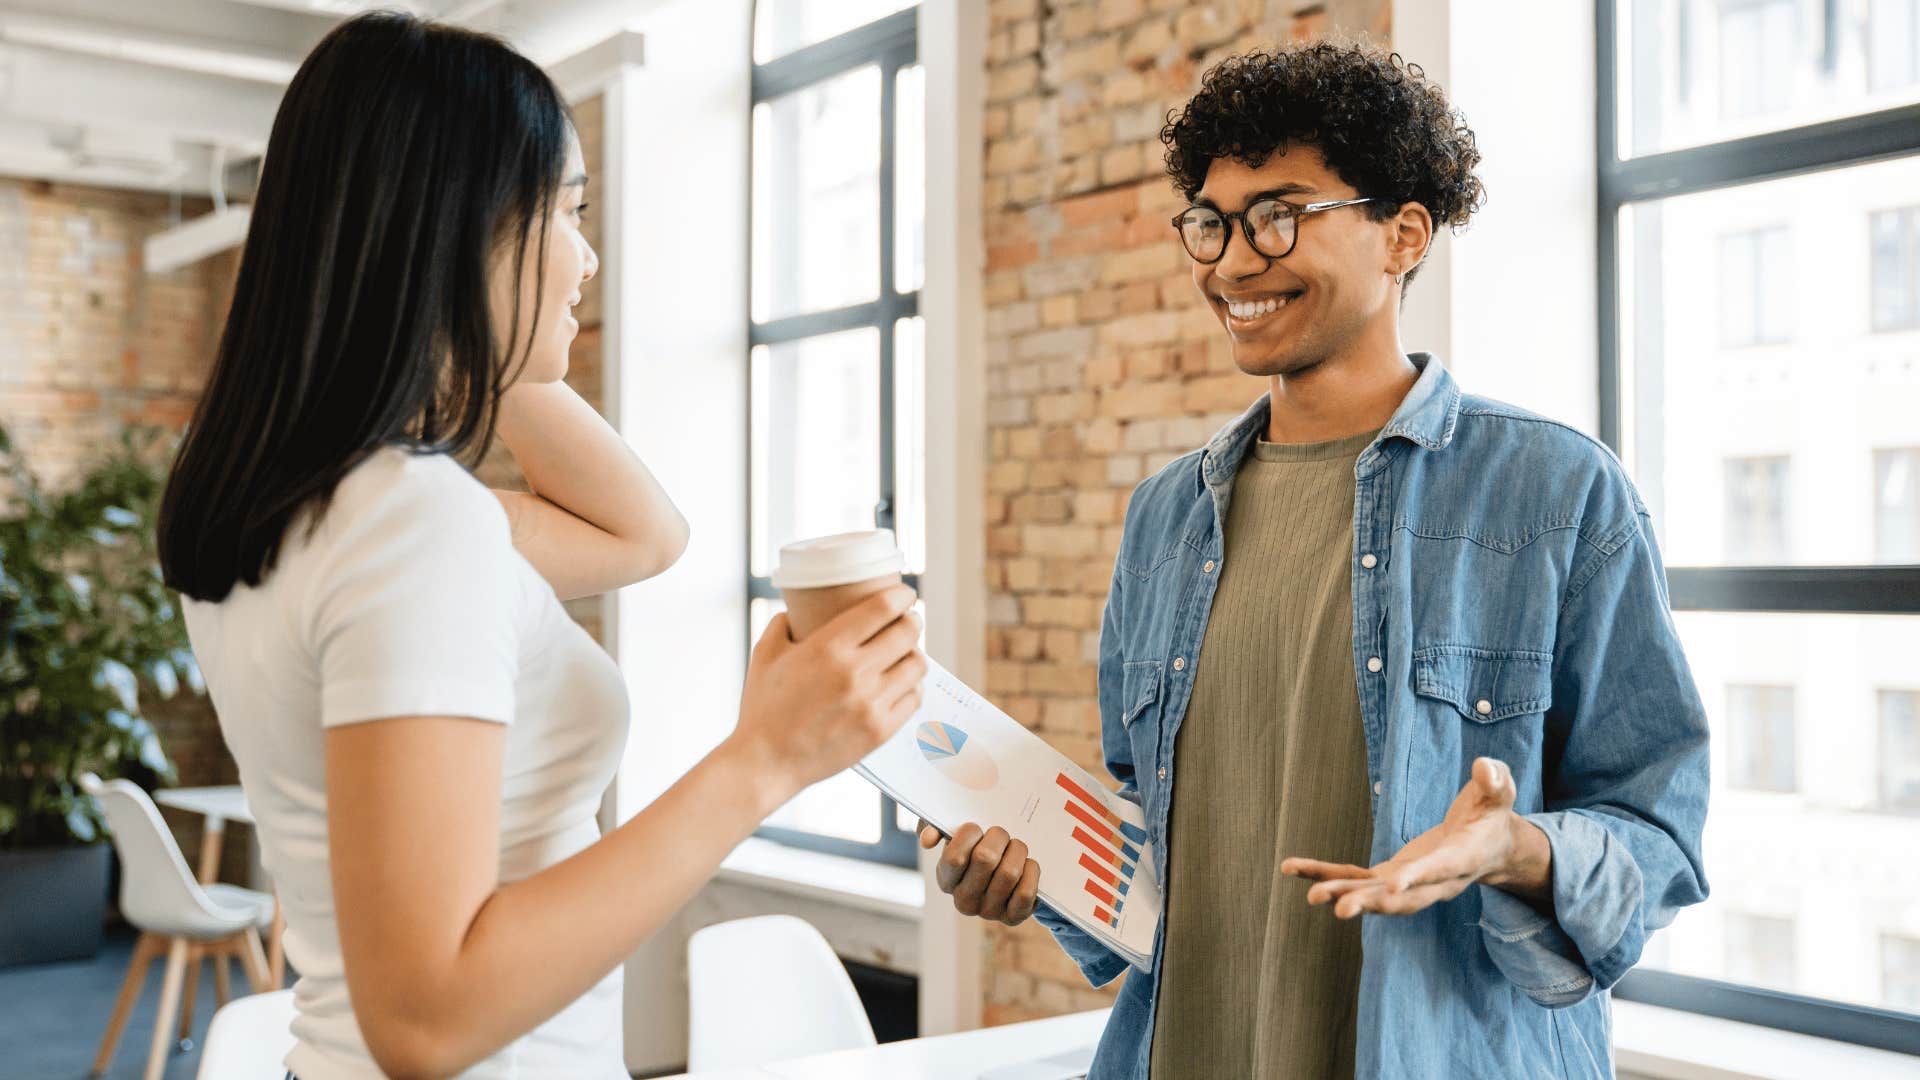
[1347, 395]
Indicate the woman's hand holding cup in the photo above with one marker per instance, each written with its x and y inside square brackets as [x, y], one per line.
[839, 673]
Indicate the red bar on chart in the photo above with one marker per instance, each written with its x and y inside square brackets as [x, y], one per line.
[1092, 803]
[1099, 871]
[1100, 851]
[1100, 894]
[1086, 819]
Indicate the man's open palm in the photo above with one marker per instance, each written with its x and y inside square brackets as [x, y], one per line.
[1473, 842]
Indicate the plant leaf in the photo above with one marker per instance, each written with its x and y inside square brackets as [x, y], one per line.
[113, 675]
[154, 757]
[80, 823]
[164, 678]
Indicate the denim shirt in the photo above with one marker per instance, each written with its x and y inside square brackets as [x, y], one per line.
[1508, 602]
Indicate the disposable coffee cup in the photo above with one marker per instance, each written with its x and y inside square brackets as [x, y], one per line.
[823, 577]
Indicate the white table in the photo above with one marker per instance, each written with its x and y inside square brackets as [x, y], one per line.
[220, 805]
[963, 1056]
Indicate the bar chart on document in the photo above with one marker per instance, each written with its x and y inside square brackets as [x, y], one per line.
[962, 760]
[1109, 850]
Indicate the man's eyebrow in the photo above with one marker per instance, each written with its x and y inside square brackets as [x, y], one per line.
[576, 180]
[1270, 193]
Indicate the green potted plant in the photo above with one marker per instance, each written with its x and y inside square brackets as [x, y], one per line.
[87, 628]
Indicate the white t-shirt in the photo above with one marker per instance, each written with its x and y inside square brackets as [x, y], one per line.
[410, 599]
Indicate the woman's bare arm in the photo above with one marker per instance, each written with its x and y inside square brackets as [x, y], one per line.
[596, 518]
[445, 965]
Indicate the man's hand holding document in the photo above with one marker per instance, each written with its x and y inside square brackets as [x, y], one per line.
[960, 760]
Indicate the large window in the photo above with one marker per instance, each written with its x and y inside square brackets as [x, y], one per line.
[1757, 159]
[836, 261]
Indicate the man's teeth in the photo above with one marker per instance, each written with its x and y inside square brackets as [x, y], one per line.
[1256, 308]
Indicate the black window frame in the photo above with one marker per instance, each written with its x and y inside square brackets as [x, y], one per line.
[1878, 590]
[890, 43]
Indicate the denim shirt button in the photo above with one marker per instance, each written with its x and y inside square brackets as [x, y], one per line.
[1179, 663]
[1163, 772]
[1208, 569]
[1369, 561]
[1483, 706]
[1379, 786]
[1373, 664]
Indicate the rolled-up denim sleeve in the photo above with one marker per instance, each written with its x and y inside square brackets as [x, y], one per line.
[1626, 796]
[1098, 963]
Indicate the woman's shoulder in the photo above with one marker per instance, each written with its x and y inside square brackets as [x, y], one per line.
[415, 482]
[397, 491]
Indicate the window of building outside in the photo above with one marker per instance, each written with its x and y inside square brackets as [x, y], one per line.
[837, 256]
[1780, 479]
[1756, 288]
[1896, 269]
[1760, 949]
[1896, 505]
[1756, 492]
[1900, 751]
[1757, 40]
[1894, 50]
[1760, 738]
[1900, 971]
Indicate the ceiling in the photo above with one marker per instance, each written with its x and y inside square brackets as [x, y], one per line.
[165, 95]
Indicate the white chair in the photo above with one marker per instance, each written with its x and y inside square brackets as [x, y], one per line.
[766, 989]
[177, 916]
[249, 1039]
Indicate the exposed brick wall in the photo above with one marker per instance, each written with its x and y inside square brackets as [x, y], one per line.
[1103, 365]
[90, 342]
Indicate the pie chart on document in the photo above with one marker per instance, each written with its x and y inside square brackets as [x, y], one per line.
[946, 747]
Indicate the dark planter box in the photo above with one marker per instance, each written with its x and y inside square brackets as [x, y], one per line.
[52, 903]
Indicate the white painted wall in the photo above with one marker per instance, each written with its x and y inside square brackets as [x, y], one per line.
[1510, 303]
[676, 321]
[953, 43]
[676, 329]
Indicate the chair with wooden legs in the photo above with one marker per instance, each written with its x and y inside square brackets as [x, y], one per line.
[178, 917]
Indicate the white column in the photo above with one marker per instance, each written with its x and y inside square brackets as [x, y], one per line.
[675, 338]
[952, 43]
[1511, 302]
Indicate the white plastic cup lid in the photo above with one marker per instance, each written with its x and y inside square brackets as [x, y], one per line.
[838, 560]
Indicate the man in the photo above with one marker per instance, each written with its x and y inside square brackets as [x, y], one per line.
[1379, 647]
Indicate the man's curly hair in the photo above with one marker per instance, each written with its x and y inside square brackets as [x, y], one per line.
[1379, 122]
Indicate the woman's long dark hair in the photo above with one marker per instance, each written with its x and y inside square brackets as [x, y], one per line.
[404, 155]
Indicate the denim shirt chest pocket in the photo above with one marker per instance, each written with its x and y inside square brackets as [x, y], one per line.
[1474, 702]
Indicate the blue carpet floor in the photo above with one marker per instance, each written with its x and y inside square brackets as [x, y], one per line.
[52, 1016]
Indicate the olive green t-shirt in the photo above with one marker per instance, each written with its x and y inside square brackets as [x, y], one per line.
[1272, 762]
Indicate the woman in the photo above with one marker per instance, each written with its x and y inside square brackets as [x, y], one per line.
[423, 734]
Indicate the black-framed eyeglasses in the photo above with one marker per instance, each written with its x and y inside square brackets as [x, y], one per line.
[1272, 227]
